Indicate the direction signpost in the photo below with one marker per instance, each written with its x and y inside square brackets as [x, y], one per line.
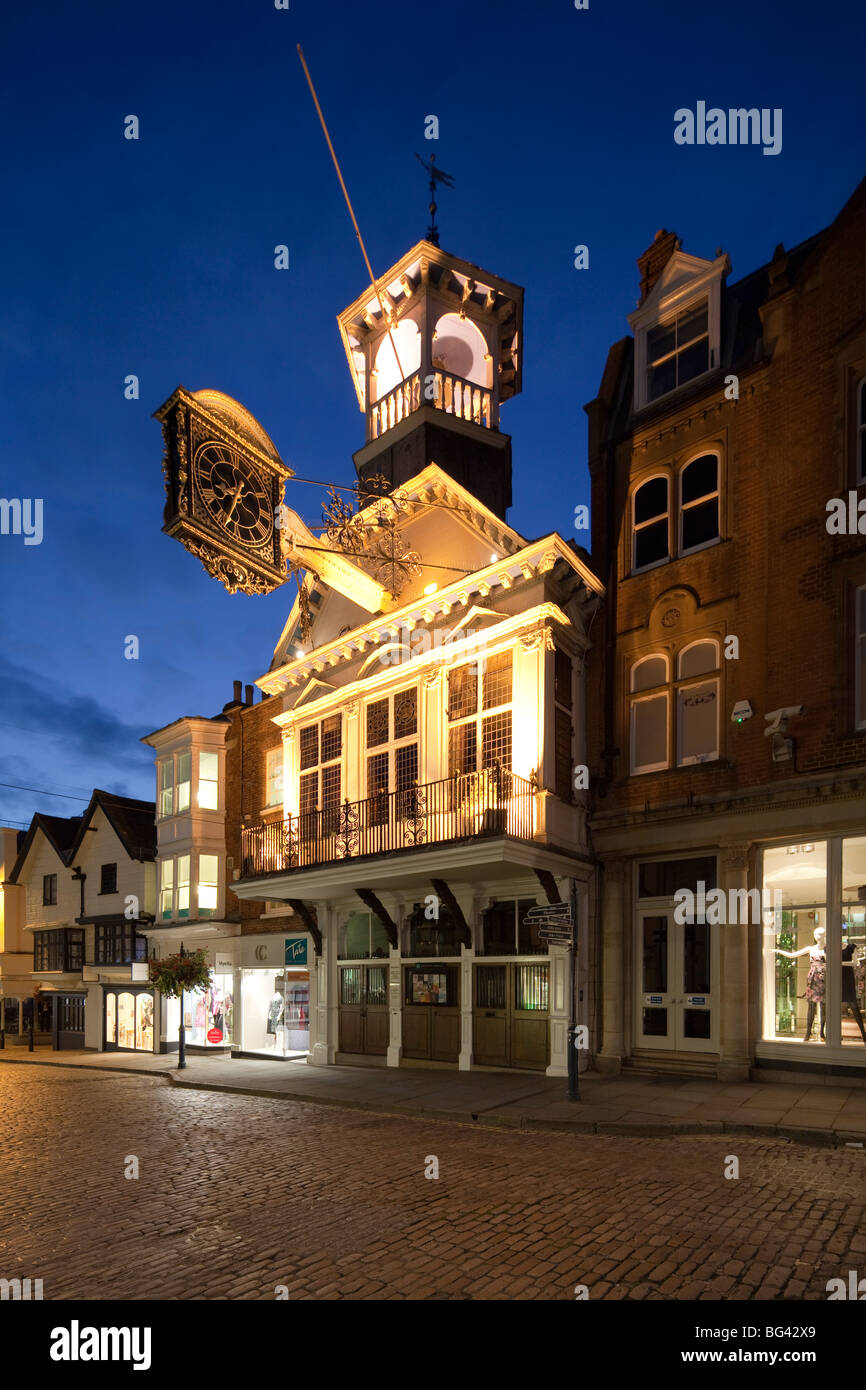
[556, 924]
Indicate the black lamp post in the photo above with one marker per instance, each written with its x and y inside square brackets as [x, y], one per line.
[181, 1031]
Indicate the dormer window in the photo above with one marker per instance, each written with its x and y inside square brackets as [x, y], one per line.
[677, 351]
[677, 325]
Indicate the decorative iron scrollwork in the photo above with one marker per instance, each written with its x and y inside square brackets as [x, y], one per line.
[414, 813]
[347, 831]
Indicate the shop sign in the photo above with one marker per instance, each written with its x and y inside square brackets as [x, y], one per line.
[296, 950]
[215, 1035]
[223, 965]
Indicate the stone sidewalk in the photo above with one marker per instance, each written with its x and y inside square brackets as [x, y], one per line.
[630, 1104]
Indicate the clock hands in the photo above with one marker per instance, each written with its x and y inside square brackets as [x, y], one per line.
[237, 492]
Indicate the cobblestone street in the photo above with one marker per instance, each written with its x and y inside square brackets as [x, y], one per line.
[237, 1195]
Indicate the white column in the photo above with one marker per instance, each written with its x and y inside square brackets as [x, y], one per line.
[323, 1052]
[560, 982]
[395, 1006]
[464, 1057]
[732, 987]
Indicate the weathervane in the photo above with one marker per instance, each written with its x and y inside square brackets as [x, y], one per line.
[436, 176]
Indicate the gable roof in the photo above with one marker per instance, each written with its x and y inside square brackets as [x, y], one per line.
[134, 823]
[59, 831]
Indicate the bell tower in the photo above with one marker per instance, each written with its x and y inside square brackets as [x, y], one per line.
[433, 357]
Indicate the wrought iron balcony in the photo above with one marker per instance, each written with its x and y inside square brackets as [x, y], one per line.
[474, 805]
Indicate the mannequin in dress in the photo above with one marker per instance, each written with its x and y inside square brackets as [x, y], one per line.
[815, 980]
[849, 986]
[275, 1016]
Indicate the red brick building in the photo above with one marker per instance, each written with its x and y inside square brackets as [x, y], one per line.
[727, 677]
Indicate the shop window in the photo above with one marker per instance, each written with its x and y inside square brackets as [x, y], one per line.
[506, 931]
[129, 1020]
[166, 787]
[362, 937]
[479, 715]
[699, 503]
[651, 523]
[208, 882]
[275, 1019]
[860, 657]
[209, 1013]
[677, 351]
[425, 986]
[49, 890]
[208, 781]
[274, 777]
[184, 765]
[108, 878]
[166, 888]
[853, 1027]
[795, 941]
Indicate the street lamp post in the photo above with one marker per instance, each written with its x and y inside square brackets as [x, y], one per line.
[181, 1031]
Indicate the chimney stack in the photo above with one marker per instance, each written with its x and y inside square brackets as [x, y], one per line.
[655, 258]
[236, 698]
[249, 694]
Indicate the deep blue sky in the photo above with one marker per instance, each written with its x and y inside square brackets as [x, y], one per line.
[156, 258]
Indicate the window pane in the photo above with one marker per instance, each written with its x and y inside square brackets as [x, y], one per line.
[697, 660]
[461, 748]
[463, 691]
[798, 872]
[332, 741]
[208, 865]
[701, 524]
[490, 986]
[699, 478]
[649, 732]
[661, 878]
[660, 341]
[350, 986]
[274, 793]
[691, 324]
[309, 746]
[661, 379]
[651, 544]
[309, 792]
[528, 939]
[355, 936]
[698, 722]
[653, 670]
[692, 361]
[651, 500]
[377, 723]
[696, 960]
[497, 681]
[562, 693]
[655, 955]
[208, 780]
[377, 774]
[406, 713]
[330, 786]
[405, 766]
[111, 1018]
[531, 986]
[496, 740]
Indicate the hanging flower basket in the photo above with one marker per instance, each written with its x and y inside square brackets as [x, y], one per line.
[177, 974]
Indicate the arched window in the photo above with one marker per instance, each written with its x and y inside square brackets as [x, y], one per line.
[650, 525]
[698, 703]
[699, 503]
[650, 700]
[459, 348]
[388, 374]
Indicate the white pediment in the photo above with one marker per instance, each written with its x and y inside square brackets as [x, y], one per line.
[314, 690]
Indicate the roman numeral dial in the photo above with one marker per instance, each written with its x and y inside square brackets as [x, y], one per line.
[235, 494]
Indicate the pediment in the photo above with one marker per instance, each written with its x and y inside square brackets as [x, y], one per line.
[314, 690]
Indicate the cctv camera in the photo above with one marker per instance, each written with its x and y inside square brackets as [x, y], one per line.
[742, 711]
[777, 720]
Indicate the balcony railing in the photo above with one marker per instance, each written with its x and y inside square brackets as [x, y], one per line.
[471, 806]
[453, 394]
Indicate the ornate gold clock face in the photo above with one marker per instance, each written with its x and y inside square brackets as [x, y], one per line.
[237, 497]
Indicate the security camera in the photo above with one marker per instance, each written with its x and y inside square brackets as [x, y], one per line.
[778, 718]
[741, 712]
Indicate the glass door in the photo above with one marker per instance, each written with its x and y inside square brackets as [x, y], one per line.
[676, 1005]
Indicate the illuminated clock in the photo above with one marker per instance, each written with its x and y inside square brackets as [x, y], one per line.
[235, 494]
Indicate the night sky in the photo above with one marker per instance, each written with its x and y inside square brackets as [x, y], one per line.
[156, 257]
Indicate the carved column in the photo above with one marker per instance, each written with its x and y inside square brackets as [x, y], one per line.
[613, 983]
[733, 984]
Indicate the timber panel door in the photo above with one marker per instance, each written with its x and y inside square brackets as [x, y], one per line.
[510, 1015]
[364, 1009]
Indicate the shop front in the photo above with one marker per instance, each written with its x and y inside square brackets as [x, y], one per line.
[209, 1014]
[274, 983]
[129, 1016]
